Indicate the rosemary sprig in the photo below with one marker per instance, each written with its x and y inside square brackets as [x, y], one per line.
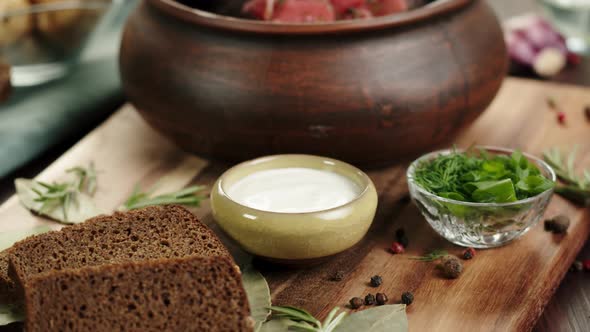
[575, 187]
[304, 321]
[187, 197]
[86, 178]
[64, 194]
[433, 256]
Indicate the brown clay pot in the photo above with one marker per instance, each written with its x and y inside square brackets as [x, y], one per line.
[365, 91]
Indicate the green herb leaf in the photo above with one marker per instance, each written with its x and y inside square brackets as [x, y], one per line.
[302, 320]
[333, 320]
[258, 295]
[385, 318]
[86, 181]
[501, 191]
[276, 325]
[564, 172]
[187, 197]
[302, 326]
[295, 314]
[576, 188]
[533, 184]
[10, 314]
[433, 256]
[485, 178]
[67, 202]
[60, 202]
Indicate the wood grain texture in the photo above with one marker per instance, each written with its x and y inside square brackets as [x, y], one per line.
[125, 152]
[347, 94]
[503, 289]
[569, 307]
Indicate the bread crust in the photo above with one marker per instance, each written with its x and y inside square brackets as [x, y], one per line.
[150, 237]
[179, 294]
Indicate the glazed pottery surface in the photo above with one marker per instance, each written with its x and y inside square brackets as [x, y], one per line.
[364, 91]
[295, 236]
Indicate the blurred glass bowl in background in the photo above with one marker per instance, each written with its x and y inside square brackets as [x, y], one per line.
[571, 18]
[42, 39]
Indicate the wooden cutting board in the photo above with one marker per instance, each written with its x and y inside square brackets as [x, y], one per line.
[503, 289]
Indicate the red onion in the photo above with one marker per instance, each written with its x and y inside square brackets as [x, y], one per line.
[533, 42]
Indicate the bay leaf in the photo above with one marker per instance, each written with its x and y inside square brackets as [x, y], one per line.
[385, 318]
[258, 294]
[275, 325]
[81, 208]
[10, 314]
[7, 239]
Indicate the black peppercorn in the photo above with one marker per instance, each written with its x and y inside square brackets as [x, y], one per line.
[558, 224]
[403, 240]
[400, 232]
[561, 225]
[407, 298]
[337, 276]
[405, 199]
[356, 302]
[451, 266]
[381, 298]
[400, 236]
[376, 281]
[548, 225]
[369, 299]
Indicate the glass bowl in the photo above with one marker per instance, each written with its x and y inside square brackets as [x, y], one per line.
[480, 225]
[42, 41]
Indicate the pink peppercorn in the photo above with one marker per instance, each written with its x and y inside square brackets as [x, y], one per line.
[561, 117]
[469, 253]
[397, 248]
[573, 58]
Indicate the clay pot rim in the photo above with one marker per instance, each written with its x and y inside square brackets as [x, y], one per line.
[211, 20]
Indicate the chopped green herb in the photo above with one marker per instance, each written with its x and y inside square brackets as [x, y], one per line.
[551, 103]
[482, 178]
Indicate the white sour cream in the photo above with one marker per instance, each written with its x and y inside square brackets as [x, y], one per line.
[293, 190]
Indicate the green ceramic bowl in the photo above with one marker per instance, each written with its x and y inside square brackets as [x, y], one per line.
[290, 237]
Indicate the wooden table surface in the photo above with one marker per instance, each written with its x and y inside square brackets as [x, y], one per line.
[569, 310]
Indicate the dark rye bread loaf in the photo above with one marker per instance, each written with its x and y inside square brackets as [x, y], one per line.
[7, 291]
[150, 233]
[181, 294]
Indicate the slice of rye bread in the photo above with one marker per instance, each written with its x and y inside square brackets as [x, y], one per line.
[7, 291]
[179, 294]
[150, 233]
